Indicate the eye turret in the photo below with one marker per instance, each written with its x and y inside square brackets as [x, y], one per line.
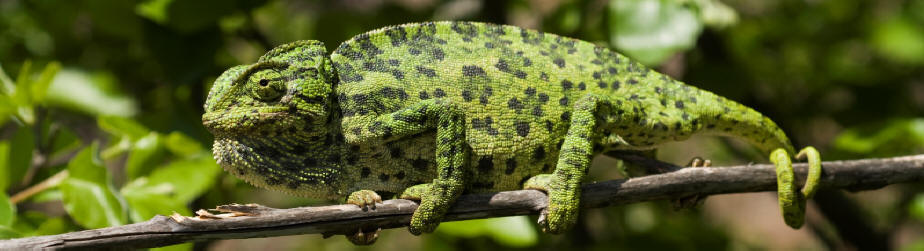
[267, 85]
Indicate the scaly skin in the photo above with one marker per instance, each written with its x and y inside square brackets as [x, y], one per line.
[437, 109]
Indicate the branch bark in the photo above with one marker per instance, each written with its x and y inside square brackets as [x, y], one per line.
[252, 221]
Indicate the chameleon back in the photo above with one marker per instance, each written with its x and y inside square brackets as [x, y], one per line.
[517, 88]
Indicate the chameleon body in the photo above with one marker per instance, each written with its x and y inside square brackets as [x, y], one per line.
[432, 110]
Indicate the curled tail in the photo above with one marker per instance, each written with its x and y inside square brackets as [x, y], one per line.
[725, 117]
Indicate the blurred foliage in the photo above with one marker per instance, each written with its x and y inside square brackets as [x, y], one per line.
[100, 103]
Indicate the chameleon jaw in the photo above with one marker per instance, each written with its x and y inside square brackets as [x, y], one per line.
[246, 119]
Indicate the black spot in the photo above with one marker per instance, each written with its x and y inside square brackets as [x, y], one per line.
[601, 84]
[364, 172]
[400, 175]
[560, 62]
[426, 71]
[539, 154]
[438, 93]
[633, 81]
[566, 116]
[483, 99]
[566, 85]
[502, 66]
[537, 111]
[513, 103]
[511, 166]
[678, 104]
[489, 45]
[530, 91]
[395, 152]
[420, 164]
[582, 86]
[413, 50]
[520, 74]
[596, 75]
[615, 85]
[549, 126]
[471, 71]
[527, 62]
[467, 95]
[542, 75]
[424, 95]
[543, 97]
[522, 128]
[437, 54]
[383, 177]
[485, 164]
[563, 101]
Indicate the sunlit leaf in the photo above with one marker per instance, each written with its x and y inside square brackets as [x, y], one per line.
[40, 86]
[516, 231]
[896, 137]
[146, 153]
[7, 211]
[177, 247]
[90, 93]
[650, 31]
[715, 14]
[900, 40]
[146, 200]
[88, 194]
[6, 83]
[189, 178]
[22, 96]
[122, 127]
[182, 145]
[155, 10]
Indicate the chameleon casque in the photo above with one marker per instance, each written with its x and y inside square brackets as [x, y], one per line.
[432, 110]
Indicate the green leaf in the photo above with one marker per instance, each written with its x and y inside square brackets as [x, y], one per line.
[177, 247]
[146, 153]
[188, 178]
[146, 200]
[7, 211]
[40, 86]
[20, 155]
[916, 207]
[896, 137]
[900, 40]
[87, 192]
[6, 84]
[155, 10]
[5, 165]
[90, 93]
[516, 231]
[8, 233]
[22, 95]
[122, 127]
[650, 31]
[56, 225]
[182, 145]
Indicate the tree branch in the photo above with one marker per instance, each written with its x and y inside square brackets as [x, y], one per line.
[250, 221]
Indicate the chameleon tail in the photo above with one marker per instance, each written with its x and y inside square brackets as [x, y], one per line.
[733, 119]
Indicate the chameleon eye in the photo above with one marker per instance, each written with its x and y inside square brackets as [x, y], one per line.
[267, 85]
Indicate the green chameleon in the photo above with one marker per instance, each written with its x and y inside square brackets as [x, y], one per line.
[432, 110]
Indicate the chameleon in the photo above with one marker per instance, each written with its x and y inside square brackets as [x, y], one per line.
[429, 111]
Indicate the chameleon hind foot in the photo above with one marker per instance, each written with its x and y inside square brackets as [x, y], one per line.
[366, 200]
[361, 238]
[792, 203]
[692, 201]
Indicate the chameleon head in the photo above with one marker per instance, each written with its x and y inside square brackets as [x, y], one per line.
[266, 116]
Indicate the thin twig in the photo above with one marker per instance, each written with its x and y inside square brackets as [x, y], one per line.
[50, 182]
[252, 221]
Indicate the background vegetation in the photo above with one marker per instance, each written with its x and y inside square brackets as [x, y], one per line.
[100, 107]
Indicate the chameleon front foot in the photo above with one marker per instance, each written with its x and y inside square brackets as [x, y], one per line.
[365, 199]
[562, 212]
[792, 203]
[435, 199]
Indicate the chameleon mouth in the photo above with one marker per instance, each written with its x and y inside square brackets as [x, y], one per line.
[244, 119]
